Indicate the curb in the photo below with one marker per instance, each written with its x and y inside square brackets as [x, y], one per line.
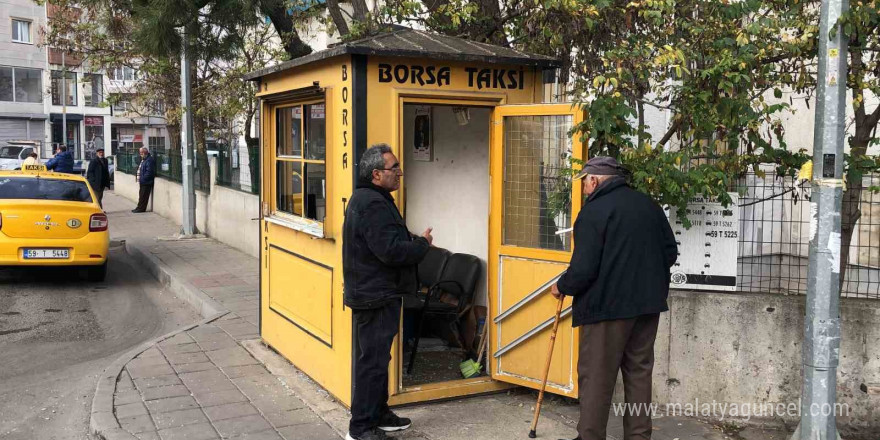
[102, 421]
[205, 305]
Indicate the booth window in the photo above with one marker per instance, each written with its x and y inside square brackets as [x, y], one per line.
[300, 154]
[537, 198]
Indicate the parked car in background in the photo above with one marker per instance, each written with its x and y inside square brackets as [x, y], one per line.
[13, 153]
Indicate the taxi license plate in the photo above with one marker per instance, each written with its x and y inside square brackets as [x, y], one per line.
[46, 253]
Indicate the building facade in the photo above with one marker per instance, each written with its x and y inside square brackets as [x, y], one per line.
[23, 71]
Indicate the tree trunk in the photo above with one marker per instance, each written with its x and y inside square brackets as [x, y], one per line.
[338, 18]
[276, 10]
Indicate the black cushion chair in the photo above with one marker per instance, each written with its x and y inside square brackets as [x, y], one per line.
[458, 280]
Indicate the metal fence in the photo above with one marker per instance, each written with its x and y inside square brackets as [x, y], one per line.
[169, 165]
[775, 233]
[127, 161]
[239, 171]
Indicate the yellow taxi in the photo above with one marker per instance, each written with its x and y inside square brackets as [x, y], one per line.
[51, 219]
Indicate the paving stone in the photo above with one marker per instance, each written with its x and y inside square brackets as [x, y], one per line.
[180, 338]
[201, 377]
[171, 404]
[201, 431]
[182, 348]
[277, 403]
[152, 352]
[226, 343]
[124, 384]
[192, 368]
[270, 434]
[187, 358]
[202, 330]
[231, 357]
[158, 381]
[311, 431]
[230, 411]
[243, 328]
[242, 425]
[149, 370]
[126, 397]
[179, 418]
[130, 410]
[148, 435]
[292, 417]
[245, 371]
[136, 424]
[207, 399]
[146, 361]
[211, 386]
[164, 392]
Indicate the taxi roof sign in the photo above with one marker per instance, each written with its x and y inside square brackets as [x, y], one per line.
[33, 168]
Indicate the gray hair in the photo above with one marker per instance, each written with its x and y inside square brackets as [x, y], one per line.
[373, 159]
[145, 149]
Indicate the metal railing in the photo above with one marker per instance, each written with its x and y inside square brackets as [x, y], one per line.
[127, 161]
[169, 165]
[238, 174]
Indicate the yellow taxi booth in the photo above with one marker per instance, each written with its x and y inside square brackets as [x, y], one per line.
[481, 154]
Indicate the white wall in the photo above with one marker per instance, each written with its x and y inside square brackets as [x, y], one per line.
[451, 194]
[225, 214]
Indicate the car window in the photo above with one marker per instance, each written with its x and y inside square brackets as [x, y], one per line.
[10, 152]
[27, 188]
[25, 153]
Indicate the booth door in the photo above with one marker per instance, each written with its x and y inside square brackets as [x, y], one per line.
[533, 206]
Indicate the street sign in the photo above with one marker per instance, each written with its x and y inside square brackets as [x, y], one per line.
[708, 251]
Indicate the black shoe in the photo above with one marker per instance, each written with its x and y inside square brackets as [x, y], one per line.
[390, 422]
[137, 210]
[373, 434]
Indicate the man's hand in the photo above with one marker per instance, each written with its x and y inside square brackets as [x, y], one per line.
[428, 236]
[555, 291]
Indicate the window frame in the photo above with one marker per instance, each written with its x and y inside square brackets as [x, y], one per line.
[74, 85]
[30, 33]
[316, 228]
[88, 79]
[14, 80]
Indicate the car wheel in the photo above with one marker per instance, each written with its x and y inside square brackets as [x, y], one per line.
[97, 273]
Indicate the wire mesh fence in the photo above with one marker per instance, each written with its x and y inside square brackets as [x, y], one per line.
[169, 165]
[775, 231]
[239, 170]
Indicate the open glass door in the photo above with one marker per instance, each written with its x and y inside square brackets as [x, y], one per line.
[532, 209]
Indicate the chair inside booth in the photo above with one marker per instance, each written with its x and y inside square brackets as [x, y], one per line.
[446, 186]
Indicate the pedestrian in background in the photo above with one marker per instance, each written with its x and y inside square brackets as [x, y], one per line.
[32, 159]
[619, 278]
[145, 176]
[379, 258]
[98, 175]
[62, 162]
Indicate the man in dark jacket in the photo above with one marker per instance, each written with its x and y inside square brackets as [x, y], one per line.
[62, 162]
[98, 175]
[145, 176]
[379, 258]
[619, 278]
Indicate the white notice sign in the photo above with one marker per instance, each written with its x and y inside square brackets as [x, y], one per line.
[707, 252]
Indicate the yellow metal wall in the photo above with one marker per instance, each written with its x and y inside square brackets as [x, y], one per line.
[301, 302]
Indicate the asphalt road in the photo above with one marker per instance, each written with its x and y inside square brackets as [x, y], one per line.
[57, 334]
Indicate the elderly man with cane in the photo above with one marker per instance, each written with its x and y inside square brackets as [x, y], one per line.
[619, 278]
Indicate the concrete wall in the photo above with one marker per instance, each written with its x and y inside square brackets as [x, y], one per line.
[225, 214]
[747, 348]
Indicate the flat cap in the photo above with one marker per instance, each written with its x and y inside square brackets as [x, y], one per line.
[601, 166]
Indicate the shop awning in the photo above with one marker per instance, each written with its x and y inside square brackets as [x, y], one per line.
[58, 117]
[407, 42]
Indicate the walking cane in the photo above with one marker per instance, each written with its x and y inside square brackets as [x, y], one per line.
[532, 433]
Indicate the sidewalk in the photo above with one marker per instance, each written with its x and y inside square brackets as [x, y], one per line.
[216, 380]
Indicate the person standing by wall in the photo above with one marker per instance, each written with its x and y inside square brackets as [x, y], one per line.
[619, 278]
[62, 162]
[145, 176]
[98, 175]
[379, 258]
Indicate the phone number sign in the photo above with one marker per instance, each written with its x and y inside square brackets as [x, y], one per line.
[707, 252]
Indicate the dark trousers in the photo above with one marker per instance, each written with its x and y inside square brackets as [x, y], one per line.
[606, 347]
[99, 193]
[144, 197]
[374, 331]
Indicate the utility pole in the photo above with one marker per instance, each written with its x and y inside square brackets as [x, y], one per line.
[63, 100]
[822, 322]
[186, 137]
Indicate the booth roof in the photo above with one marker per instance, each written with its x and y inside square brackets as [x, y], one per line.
[407, 42]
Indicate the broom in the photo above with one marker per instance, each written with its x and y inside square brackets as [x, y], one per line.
[469, 367]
